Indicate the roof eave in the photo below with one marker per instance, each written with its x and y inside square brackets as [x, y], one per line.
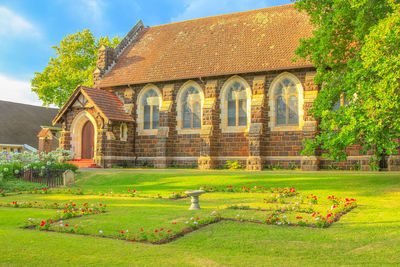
[194, 77]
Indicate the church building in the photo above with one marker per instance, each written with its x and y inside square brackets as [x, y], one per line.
[199, 93]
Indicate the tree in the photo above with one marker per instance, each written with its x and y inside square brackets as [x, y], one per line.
[74, 64]
[355, 48]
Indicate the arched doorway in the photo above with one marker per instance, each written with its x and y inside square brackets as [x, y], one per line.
[84, 127]
[87, 141]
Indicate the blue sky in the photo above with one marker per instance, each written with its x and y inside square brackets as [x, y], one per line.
[29, 28]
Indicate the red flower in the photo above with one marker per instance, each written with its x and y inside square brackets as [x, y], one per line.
[173, 222]
[197, 218]
[134, 240]
[156, 231]
[141, 229]
[161, 229]
[122, 232]
[168, 231]
[66, 224]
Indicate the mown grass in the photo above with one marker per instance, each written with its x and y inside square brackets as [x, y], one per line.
[368, 235]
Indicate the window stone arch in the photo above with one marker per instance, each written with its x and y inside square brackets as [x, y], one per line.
[286, 103]
[235, 105]
[190, 101]
[148, 106]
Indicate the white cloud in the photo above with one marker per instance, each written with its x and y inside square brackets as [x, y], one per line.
[89, 10]
[17, 91]
[12, 24]
[204, 8]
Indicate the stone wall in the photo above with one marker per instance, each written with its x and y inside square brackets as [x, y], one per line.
[260, 145]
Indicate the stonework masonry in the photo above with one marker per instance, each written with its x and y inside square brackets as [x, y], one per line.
[256, 148]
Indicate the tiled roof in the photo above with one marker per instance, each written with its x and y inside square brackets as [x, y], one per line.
[108, 103]
[105, 102]
[20, 123]
[251, 41]
[44, 132]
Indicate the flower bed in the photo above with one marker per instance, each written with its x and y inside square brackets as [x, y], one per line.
[281, 207]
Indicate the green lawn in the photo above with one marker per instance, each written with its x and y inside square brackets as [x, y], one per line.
[367, 235]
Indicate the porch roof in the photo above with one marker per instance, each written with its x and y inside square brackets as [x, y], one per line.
[106, 103]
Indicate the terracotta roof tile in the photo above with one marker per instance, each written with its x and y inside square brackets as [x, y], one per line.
[251, 41]
[111, 106]
[107, 103]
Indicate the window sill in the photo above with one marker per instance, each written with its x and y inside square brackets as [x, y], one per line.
[286, 128]
[188, 131]
[234, 129]
[142, 132]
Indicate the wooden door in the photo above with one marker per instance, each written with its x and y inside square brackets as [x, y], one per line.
[87, 141]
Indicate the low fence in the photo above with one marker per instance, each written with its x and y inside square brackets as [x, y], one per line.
[49, 177]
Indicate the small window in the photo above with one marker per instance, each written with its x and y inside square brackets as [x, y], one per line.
[123, 132]
[287, 103]
[342, 101]
[151, 104]
[237, 105]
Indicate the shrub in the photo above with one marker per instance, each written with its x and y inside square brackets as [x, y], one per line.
[233, 164]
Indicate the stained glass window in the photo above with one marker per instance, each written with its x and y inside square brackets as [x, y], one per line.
[286, 101]
[191, 108]
[237, 105]
[151, 103]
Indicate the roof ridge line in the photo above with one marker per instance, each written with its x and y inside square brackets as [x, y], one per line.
[221, 15]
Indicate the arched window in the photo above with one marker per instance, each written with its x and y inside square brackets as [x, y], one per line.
[123, 132]
[235, 105]
[190, 100]
[285, 102]
[191, 108]
[149, 102]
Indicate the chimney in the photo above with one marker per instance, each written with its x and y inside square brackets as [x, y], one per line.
[107, 56]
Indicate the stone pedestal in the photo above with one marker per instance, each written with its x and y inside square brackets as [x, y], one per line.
[195, 198]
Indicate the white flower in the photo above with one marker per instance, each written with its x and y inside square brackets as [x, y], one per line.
[187, 222]
[194, 222]
[284, 216]
[100, 232]
[48, 163]
[61, 221]
[278, 223]
[43, 167]
[61, 225]
[192, 219]
[332, 207]
[317, 218]
[6, 169]
[29, 219]
[212, 213]
[92, 205]
[126, 231]
[58, 211]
